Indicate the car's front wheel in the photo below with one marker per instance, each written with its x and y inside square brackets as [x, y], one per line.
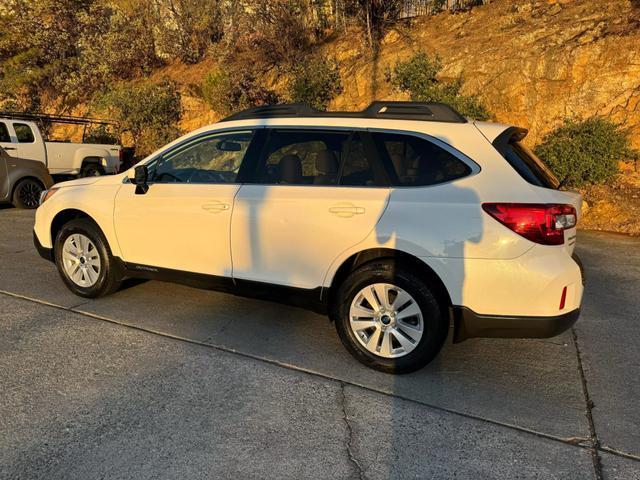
[26, 194]
[84, 259]
[389, 319]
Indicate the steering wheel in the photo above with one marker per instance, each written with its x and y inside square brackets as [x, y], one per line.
[206, 176]
[168, 175]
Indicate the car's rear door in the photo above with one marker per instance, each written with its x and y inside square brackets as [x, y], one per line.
[312, 195]
[30, 143]
[182, 222]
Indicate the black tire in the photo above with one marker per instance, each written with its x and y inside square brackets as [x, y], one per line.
[109, 279]
[26, 193]
[92, 170]
[436, 324]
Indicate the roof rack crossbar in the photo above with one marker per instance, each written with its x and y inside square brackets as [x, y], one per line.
[47, 117]
[424, 111]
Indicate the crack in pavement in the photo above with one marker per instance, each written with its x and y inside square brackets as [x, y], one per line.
[345, 417]
[595, 443]
[586, 444]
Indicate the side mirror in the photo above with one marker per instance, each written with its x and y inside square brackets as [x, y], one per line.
[140, 179]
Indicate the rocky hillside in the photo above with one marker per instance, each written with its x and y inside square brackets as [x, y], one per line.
[533, 63]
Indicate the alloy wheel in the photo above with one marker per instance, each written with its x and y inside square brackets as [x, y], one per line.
[81, 260]
[386, 320]
[29, 194]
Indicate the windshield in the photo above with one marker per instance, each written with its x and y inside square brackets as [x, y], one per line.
[527, 163]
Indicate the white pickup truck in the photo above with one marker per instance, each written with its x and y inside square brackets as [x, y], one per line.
[22, 138]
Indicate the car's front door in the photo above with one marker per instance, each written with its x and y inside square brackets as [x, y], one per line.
[313, 195]
[10, 147]
[4, 176]
[182, 222]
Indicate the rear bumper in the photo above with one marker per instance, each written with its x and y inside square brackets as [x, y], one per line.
[468, 324]
[46, 253]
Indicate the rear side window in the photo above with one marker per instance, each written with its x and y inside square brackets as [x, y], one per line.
[415, 161]
[314, 157]
[4, 133]
[524, 161]
[23, 133]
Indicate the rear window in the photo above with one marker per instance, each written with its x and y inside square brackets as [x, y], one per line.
[23, 133]
[525, 162]
[415, 161]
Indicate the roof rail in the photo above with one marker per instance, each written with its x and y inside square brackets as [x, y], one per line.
[49, 118]
[423, 111]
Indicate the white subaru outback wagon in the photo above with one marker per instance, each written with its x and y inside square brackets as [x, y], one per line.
[397, 221]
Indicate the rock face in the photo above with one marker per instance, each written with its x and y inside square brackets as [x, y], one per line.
[533, 63]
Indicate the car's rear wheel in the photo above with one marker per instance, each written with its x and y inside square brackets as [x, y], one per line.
[389, 319]
[84, 260]
[92, 170]
[26, 194]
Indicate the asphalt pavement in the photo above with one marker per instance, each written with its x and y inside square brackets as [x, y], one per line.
[165, 381]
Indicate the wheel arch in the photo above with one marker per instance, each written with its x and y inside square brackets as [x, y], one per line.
[92, 160]
[65, 216]
[406, 260]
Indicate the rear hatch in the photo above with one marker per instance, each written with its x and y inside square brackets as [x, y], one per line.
[532, 169]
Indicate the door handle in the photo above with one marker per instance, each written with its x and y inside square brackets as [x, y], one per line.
[215, 207]
[9, 148]
[346, 211]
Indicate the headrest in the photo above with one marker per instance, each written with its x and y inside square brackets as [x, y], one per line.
[326, 162]
[290, 169]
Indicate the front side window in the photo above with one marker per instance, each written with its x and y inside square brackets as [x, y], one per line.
[4, 133]
[212, 159]
[24, 133]
[313, 157]
[416, 161]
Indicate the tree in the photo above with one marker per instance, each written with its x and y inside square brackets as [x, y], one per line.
[149, 113]
[186, 28]
[65, 50]
[418, 76]
[227, 92]
[587, 151]
[315, 81]
[377, 15]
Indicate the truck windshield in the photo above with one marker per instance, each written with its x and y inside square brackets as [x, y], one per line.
[527, 164]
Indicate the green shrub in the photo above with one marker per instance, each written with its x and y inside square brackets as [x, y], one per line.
[102, 135]
[148, 112]
[228, 92]
[583, 152]
[315, 82]
[418, 76]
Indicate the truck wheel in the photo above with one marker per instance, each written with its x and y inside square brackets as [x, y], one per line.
[389, 319]
[27, 193]
[92, 170]
[84, 259]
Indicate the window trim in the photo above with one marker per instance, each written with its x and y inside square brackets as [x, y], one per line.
[475, 167]
[377, 163]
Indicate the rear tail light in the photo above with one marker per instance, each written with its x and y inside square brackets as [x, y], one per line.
[542, 223]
